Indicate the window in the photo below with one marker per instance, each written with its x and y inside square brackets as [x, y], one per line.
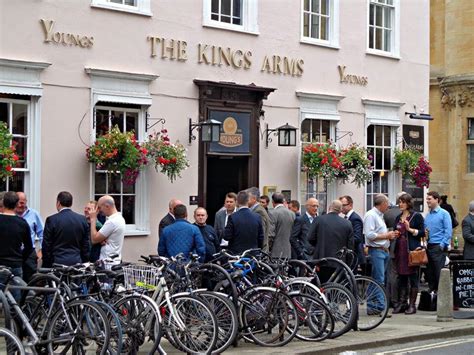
[380, 145]
[314, 130]
[235, 15]
[383, 26]
[320, 22]
[15, 114]
[470, 145]
[140, 7]
[125, 196]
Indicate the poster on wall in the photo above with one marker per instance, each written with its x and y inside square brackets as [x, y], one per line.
[235, 132]
[414, 138]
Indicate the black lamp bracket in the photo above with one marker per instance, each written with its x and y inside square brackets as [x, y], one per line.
[344, 133]
[268, 132]
[157, 119]
[192, 127]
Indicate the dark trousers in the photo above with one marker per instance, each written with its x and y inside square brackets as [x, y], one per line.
[392, 282]
[30, 266]
[436, 261]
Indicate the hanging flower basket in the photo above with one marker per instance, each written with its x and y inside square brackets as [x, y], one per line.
[118, 152]
[169, 158]
[357, 167]
[413, 165]
[321, 160]
[8, 157]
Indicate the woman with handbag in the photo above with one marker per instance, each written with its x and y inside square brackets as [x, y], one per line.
[410, 225]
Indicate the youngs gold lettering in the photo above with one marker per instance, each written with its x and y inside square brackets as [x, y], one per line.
[67, 39]
[350, 78]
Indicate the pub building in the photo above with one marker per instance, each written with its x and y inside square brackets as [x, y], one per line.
[345, 71]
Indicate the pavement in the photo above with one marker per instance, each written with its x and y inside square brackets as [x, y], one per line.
[399, 329]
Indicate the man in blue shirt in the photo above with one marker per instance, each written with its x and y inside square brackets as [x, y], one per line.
[181, 237]
[33, 219]
[439, 231]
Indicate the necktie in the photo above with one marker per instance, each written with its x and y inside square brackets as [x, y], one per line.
[345, 217]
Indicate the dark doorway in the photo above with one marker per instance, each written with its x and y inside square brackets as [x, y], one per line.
[224, 174]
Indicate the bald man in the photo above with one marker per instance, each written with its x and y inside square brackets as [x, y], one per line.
[112, 233]
[169, 218]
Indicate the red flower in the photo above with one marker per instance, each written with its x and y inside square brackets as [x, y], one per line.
[15, 157]
[8, 168]
[173, 160]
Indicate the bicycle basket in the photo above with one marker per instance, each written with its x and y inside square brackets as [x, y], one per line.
[141, 276]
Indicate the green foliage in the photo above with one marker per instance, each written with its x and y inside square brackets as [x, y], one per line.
[8, 157]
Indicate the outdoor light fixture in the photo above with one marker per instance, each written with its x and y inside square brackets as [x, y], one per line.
[210, 130]
[286, 135]
[419, 116]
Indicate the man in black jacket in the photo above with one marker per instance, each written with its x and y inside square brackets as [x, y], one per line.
[357, 227]
[299, 233]
[169, 218]
[468, 233]
[66, 235]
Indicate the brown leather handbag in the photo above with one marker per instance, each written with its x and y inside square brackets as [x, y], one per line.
[417, 257]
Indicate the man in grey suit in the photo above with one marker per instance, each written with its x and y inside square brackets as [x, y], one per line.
[468, 233]
[254, 205]
[281, 223]
[222, 216]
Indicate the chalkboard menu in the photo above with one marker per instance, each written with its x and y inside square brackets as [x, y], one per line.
[463, 283]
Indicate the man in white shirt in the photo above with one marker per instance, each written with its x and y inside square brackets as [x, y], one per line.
[112, 233]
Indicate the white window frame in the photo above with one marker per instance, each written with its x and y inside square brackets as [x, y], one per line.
[249, 18]
[333, 37]
[395, 35]
[143, 7]
[469, 144]
[125, 88]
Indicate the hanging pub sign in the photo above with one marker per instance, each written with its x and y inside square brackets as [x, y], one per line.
[235, 132]
[414, 138]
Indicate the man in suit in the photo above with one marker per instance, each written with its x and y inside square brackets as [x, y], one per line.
[264, 202]
[299, 232]
[281, 223]
[169, 218]
[255, 206]
[222, 216]
[468, 233]
[244, 228]
[357, 227]
[66, 235]
[329, 233]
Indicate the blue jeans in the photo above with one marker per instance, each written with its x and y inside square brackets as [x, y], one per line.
[379, 259]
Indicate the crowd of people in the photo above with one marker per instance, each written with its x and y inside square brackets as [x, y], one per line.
[383, 238]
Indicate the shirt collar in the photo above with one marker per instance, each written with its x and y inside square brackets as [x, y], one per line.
[379, 213]
[436, 210]
[309, 216]
[349, 213]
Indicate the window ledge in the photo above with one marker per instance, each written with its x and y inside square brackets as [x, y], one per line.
[128, 9]
[383, 54]
[234, 28]
[137, 233]
[315, 42]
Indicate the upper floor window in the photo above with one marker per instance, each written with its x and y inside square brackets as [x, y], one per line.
[320, 22]
[470, 145]
[383, 26]
[235, 15]
[140, 7]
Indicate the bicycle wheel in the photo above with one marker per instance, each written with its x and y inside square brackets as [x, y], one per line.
[268, 316]
[9, 343]
[226, 316]
[5, 315]
[343, 306]
[315, 322]
[83, 327]
[190, 325]
[115, 343]
[138, 316]
[372, 301]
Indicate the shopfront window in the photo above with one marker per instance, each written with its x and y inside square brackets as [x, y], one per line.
[314, 131]
[380, 145]
[15, 114]
[382, 25]
[125, 196]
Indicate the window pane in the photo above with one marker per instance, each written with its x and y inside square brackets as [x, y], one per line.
[371, 37]
[371, 14]
[384, 181]
[378, 38]
[378, 159]
[17, 182]
[376, 185]
[389, 2]
[387, 17]
[378, 16]
[128, 209]
[118, 202]
[100, 188]
[4, 112]
[387, 40]
[20, 119]
[315, 6]
[306, 25]
[215, 6]
[387, 164]
[325, 7]
[306, 5]
[378, 135]
[316, 131]
[370, 135]
[131, 122]
[128, 189]
[315, 26]
[325, 130]
[371, 156]
[386, 136]
[130, 2]
[470, 157]
[215, 17]
[117, 120]
[225, 7]
[20, 145]
[324, 28]
[305, 130]
[3, 186]
[101, 122]
[114, 183]
[237, 8]
[225, 19]
[471, 128]
[236, 20]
